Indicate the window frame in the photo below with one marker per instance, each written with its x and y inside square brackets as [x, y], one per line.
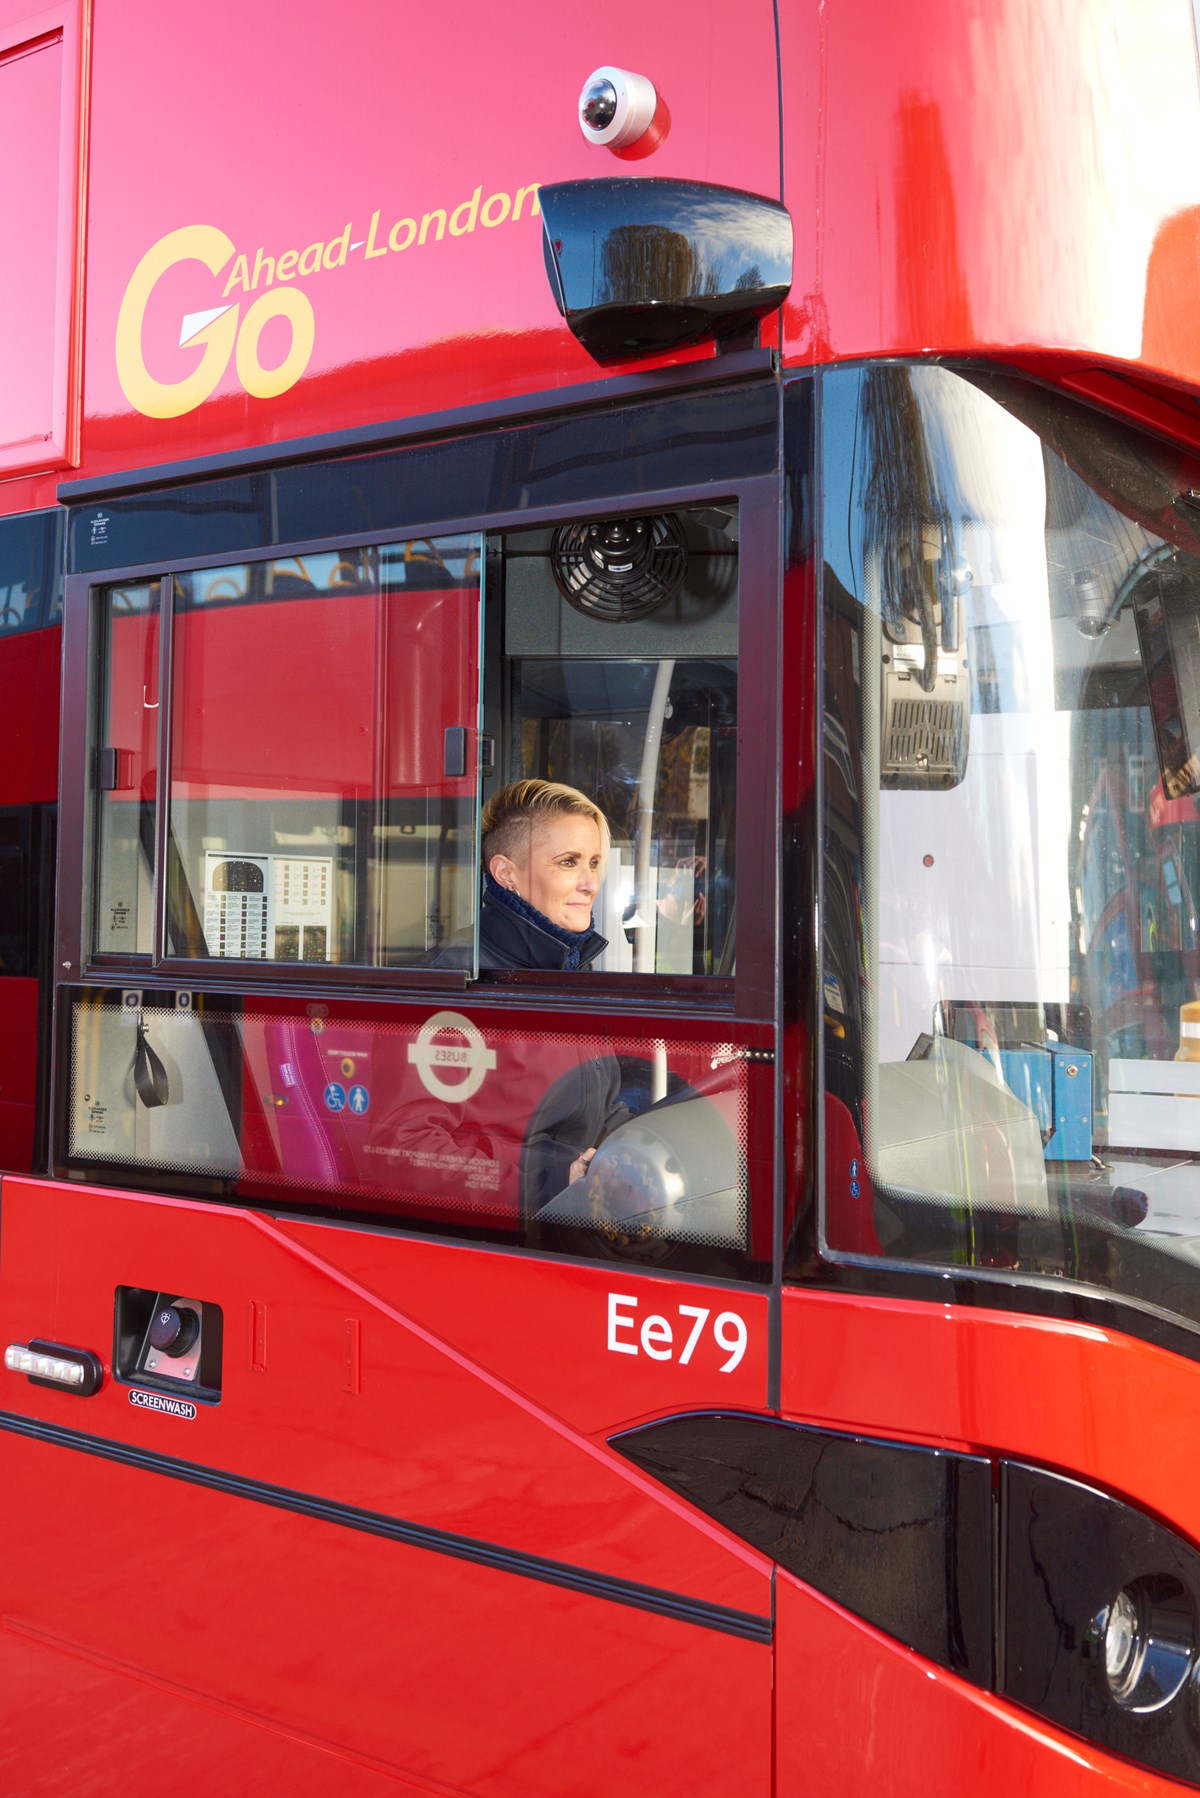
[751, 989]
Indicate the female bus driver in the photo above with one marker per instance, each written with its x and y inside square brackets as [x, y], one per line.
[543, 850]
[544, 847]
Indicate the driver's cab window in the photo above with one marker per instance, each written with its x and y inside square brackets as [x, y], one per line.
[335, 720]
[619, 657]
[313, 791]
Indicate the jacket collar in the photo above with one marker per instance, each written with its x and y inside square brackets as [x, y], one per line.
[516, 926]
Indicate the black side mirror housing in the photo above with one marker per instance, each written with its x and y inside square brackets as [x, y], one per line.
[641, 267]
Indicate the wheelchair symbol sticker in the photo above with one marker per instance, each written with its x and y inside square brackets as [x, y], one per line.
[335, 1097]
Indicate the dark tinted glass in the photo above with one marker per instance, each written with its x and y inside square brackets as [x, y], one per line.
[709, 436]
[30, 571]
[17, 900]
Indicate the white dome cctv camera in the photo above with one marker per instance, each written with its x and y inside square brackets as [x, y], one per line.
[616, 108]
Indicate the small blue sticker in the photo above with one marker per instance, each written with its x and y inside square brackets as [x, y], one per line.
[854, 1168]
[359, 1098]
[855, 1189]
[335, 1097]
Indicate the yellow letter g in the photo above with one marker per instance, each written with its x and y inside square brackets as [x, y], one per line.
[168, 399]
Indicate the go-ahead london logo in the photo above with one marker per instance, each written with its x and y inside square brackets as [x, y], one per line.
[259, 288]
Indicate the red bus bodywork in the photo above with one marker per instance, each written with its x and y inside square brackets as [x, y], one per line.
[266, 226]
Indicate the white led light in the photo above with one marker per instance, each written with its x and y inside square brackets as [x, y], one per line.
[19, 1359]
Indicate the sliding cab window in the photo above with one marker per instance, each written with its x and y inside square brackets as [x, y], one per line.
[321, 785]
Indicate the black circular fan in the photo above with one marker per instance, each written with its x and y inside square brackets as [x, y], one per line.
[620, 569]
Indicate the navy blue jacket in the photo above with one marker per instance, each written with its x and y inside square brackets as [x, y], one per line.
[513, 934]
[582, 1106]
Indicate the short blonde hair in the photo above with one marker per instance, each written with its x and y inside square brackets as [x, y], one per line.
[511, 813]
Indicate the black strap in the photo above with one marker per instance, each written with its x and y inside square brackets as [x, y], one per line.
[149, 1074]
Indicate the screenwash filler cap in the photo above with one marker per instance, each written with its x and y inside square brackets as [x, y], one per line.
[641, 267]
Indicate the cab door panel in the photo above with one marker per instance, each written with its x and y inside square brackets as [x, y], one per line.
[401, 1528]
[414, 1663]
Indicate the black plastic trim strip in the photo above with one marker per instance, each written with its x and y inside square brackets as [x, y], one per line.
[737, 365]
[898, 1533]
[745, 1624]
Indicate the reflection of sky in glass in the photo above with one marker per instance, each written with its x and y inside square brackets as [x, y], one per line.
[974, 883]
[993, 483]
[661, 240]
[1030, 529]
[843, 551]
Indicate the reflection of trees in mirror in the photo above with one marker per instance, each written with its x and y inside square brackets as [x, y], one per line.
[646, 262]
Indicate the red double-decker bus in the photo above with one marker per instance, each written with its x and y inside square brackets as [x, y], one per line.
[767, 1359]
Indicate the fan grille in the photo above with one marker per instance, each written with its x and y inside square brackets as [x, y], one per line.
[619, 569]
